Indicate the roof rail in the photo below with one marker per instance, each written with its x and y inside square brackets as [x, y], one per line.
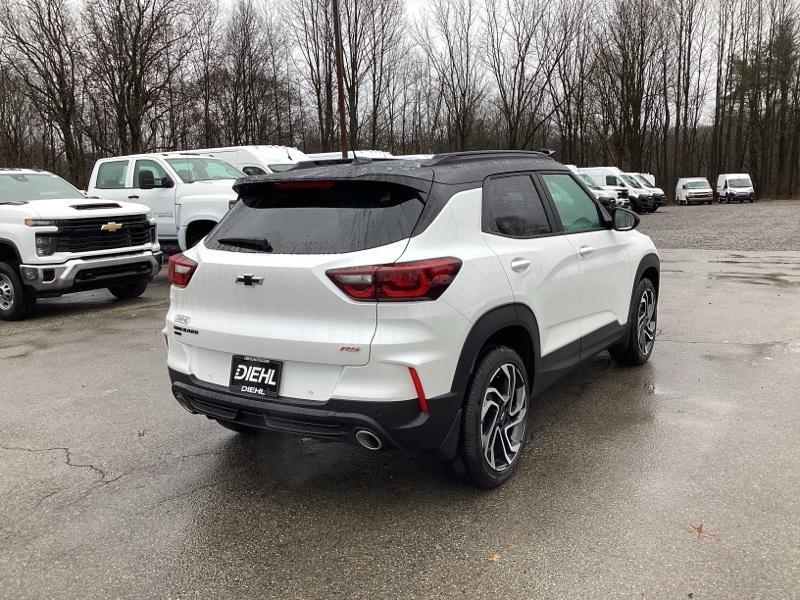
[450, 158]
[326, 162]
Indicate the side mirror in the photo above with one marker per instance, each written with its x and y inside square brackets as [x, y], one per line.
[684, 186]
[167, 182]
[146, 180]
[625, 220]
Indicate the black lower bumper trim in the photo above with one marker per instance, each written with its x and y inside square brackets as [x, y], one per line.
[400, 424]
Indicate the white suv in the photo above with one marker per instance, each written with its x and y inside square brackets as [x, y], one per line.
[415, 304]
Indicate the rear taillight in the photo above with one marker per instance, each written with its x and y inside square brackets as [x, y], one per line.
[417, 280]
[180, 270]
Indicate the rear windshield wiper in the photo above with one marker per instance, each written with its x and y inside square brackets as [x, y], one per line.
[261, 244]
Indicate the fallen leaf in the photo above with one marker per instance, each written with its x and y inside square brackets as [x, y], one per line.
[140, 433]
[702, 532]
[493, 557]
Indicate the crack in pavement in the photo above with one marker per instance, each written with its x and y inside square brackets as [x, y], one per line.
[67, 459]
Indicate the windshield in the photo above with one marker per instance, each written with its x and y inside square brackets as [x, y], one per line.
[282, 167]
[698, 185]
[739, 183]
[588, 181]
[27, 188]
[631, 181]
[203, 169]
[642, 180]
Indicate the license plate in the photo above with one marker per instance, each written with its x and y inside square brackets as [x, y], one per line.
[253, 376]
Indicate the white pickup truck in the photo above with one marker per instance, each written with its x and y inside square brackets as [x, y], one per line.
[188, 193]
[53, 240]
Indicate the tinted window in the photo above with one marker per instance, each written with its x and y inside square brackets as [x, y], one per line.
[159, 174]
[253, 171]
[512, 207]
[25, 188]
[611, 180]
[341, 217]
[578, 212]
[111, 175]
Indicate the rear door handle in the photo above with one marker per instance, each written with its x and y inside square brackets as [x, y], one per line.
[585, 251]
[520, 264]
[133, 197]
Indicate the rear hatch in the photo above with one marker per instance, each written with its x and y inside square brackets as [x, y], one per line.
[261, 288]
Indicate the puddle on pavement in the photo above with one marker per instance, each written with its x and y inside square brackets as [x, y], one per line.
[774, 279]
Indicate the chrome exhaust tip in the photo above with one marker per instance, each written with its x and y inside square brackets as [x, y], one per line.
[368, 440]
[184, 402]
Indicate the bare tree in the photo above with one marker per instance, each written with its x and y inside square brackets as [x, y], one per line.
[43, 46]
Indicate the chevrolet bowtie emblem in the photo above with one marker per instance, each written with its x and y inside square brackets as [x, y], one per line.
[249, 280]
[111, 226]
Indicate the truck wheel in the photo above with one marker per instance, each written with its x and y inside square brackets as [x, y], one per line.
[128, 291]
[15, 301]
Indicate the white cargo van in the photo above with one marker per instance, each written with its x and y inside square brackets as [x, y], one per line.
[257, 160]
[693, 190]
[188, 194]
[735, 187]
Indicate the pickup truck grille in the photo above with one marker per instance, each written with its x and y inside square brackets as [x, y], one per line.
[86, 235]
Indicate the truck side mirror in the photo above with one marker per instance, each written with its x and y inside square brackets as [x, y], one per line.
[146, 180]
[167, 182]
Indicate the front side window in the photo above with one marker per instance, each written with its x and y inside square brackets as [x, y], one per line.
[156, 170]
[28, 188]
[612, 180]
[577, 210]
[191, 169]
[511, 207]
[111, 175]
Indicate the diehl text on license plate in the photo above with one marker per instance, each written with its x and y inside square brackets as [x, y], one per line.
[255, 376]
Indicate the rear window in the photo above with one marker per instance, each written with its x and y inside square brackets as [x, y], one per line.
[333, 219]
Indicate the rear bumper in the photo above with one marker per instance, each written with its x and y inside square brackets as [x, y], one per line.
[399, 424]
[91, 273]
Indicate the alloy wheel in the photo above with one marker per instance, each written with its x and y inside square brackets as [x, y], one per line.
[646, 321]
[6, 292]
[503, 417]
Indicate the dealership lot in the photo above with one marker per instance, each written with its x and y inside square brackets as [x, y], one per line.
[110, 489]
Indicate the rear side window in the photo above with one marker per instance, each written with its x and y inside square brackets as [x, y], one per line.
[328, 218]
[578, 212]
[111, 175]
[511, 207]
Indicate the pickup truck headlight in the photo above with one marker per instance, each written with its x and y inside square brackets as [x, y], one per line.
[40, 222]
[45, 244]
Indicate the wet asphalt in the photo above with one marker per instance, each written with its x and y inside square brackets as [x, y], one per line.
[109, 489]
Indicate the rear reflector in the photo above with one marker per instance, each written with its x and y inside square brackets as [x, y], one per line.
[421, 399]
[180, 270]
[416, 280]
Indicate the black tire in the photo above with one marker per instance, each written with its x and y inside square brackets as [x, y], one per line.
[129, 291]
[654, 209]
[752, 200]
[16, 301]
[630, 352]
[241, 429]
[482, 437]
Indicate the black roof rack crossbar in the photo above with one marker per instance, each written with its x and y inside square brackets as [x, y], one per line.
[457, 157]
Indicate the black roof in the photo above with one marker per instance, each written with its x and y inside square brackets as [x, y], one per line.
[455, 168]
